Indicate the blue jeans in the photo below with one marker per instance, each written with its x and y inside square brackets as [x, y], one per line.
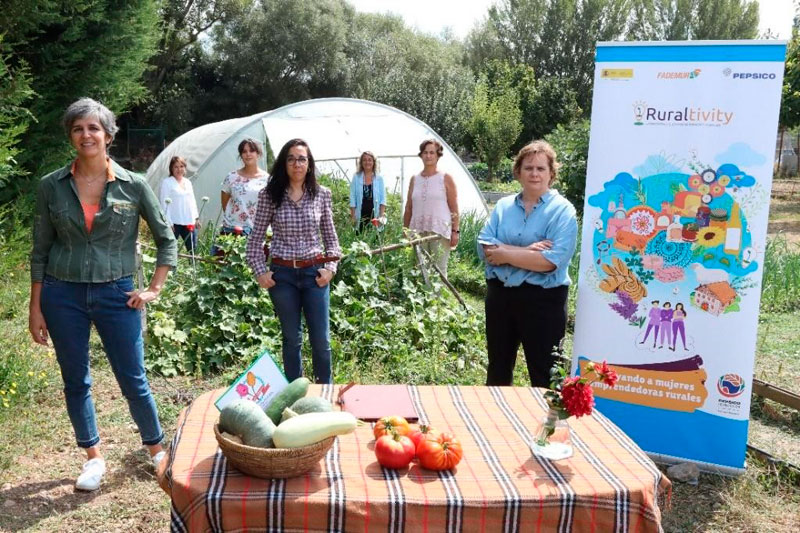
[296, 290]
[69, 311]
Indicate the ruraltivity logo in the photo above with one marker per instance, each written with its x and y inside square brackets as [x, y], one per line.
[730, 385]
[689, 116]
[692, 74]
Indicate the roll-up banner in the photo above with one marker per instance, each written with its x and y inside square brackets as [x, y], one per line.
[674, 232]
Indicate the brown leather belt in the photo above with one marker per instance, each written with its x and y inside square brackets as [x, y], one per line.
[304, 263]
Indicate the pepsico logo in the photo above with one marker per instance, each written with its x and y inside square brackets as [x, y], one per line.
[730, 385]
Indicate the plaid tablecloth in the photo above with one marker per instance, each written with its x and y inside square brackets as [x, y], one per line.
[609, 484]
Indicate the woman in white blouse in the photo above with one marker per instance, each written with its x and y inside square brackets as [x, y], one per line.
[178, 203]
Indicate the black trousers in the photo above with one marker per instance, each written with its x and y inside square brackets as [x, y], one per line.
[528, 314]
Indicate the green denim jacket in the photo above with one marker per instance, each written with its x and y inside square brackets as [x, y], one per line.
[64, 249]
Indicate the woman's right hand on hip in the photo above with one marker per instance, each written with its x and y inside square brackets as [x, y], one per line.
[265, 280]
[37, 327]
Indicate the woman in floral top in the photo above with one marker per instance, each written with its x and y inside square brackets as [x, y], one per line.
[240, 191]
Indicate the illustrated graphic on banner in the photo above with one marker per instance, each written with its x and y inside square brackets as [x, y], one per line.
[677, 194]
[260, 383]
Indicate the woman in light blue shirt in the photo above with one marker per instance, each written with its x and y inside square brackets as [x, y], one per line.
[367, 193]
[527, 245]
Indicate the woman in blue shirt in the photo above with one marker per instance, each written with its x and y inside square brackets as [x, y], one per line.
[527, 245]
[367, 193]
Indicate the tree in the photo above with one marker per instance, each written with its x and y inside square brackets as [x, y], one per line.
[495, 123]
[544, 102]
[15, 92]
[75, 48]
[672, 20]
[555, 37]
[414, 72]
[571, 143]
[283, 51]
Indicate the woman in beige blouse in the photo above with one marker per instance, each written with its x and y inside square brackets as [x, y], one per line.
[432, 205]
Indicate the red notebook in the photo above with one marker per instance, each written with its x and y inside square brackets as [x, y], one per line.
[371, 402]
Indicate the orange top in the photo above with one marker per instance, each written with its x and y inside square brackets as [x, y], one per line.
[89, 211]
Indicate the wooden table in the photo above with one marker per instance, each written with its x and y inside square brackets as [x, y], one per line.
[609, 484]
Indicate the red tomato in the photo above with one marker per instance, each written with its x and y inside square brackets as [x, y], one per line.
[419, 432]
[387, 424]
[439, 452]
[394, 451]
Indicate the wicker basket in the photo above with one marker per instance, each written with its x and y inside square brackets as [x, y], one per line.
[272, 462]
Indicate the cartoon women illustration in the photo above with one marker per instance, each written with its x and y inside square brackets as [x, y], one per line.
[666, 324]
[653, 322]
[677, 326]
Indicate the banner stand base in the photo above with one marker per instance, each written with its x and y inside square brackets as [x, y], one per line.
[710, 468]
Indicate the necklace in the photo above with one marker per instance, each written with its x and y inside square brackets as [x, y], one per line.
[89, 181]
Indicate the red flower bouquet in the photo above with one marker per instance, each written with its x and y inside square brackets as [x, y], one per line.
[571, 396]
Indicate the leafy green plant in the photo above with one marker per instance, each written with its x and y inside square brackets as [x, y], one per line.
[571, 143]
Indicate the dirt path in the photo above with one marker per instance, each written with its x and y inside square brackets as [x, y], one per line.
[38, 493]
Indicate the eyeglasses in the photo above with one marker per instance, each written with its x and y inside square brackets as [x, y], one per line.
[292, 160]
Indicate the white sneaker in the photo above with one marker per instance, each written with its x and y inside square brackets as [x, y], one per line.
[157, 459]
[92, 474]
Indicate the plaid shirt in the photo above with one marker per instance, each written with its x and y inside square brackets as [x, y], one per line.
[296, 229]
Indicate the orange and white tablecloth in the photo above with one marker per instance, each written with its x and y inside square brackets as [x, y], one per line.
[609, 484]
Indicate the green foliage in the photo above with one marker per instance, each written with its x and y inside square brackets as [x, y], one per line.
[386, 325]
[217, 318]
[504, 172]
[780, 286]
[544, 103]
[790, 98]
[15, 91]
[416, 73]
[678, 20]
[571, 143]
[555, 37]
[275, 54]
[75, 48]
[495, 122]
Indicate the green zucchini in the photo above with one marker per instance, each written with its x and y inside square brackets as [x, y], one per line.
[311, 428]
[293, 392]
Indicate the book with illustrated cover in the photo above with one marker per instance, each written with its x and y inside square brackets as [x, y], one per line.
[259, 383]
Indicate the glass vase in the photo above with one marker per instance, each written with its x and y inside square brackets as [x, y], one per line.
[553, 440]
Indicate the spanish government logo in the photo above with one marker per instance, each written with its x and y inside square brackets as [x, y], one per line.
[730, 385]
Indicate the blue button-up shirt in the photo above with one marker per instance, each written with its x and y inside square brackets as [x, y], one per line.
[553, 219]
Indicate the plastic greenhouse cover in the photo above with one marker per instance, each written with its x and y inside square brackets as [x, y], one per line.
[337, 130]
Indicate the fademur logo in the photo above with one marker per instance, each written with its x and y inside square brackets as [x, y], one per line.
[617, 73]
[692, 74]
[696, 116]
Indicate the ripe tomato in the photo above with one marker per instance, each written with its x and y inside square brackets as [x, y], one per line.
[439, 452]
[387, 424]
[394, 451]
[420, 432]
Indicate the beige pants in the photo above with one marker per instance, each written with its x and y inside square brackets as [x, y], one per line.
[439, 250]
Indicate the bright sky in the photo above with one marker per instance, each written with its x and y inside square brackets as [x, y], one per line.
[434, 15]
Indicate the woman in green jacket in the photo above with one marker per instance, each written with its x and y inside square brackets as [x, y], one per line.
[82, 266]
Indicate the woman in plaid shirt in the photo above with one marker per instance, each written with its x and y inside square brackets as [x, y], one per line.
[304, 251]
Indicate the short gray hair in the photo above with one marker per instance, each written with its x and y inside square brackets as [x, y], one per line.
[87, 107]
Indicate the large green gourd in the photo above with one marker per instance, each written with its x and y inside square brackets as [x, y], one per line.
[246, 419]
[312, 404]
[293, 392]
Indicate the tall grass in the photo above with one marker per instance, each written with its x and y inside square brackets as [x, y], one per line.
[781, 283]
